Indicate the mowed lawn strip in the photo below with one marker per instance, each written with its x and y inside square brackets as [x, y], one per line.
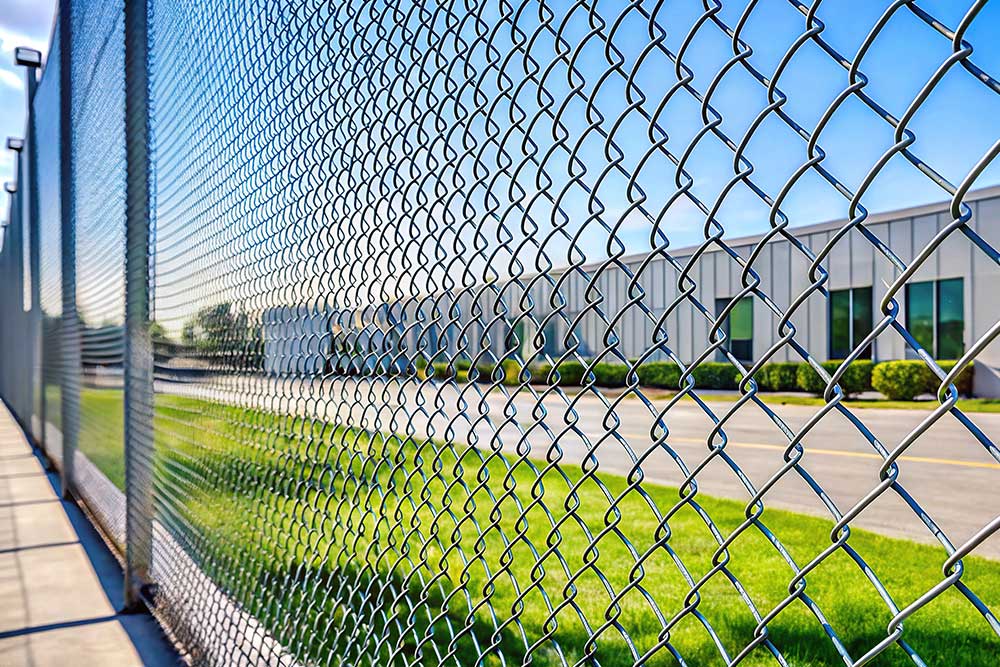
[367, 539]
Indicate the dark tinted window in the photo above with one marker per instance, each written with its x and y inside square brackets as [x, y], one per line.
[951, 319]
[861, 317]
[935, 316]
[738, 327]
[920, 313]
[850, 321]
[840, 324]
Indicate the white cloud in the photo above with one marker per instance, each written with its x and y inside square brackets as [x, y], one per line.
[22, 23]
[10, 40]
[26, 23]
[10, 79]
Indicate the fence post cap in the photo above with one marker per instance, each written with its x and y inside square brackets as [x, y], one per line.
[15, 143]
[27, 56]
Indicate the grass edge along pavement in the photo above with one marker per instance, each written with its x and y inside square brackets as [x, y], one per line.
[360, 531]
[901, 381]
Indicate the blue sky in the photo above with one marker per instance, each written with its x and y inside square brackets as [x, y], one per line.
[959, 122]
[22, 23]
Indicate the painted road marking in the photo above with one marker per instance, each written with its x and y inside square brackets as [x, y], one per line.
[830, 452]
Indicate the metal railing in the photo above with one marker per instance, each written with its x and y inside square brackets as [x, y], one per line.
[315, 306]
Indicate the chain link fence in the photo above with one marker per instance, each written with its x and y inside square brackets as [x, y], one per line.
[447, 333]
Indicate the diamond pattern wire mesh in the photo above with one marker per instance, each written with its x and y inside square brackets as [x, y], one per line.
[12, 288]
[45, 117]
[98, 138]
[389, 237]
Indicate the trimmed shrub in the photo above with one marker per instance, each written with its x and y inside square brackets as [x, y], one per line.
[963, 382]
[512, 372]
[715, 375]
[900, 380]
[809, 380]
[511, 369]
[441, 371]
[856, 379]
[570, 373]
[778, 376]
[484, 373]
[459, 370]
[610, 375]
[540, 373]
[663, 374]
[905, 379]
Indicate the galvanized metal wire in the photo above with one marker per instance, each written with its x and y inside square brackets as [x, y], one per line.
[381, 237]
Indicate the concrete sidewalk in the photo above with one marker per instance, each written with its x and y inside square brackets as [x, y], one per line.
[60, 587]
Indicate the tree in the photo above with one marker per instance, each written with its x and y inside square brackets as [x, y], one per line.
[225, 336]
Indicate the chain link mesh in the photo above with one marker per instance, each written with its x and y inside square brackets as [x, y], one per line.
[46, 121]
[13, 290]
[411, 267]
[98, 136]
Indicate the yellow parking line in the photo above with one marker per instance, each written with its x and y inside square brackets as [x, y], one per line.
[831, 452]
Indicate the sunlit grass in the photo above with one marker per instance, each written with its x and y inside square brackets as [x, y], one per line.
[349, 543]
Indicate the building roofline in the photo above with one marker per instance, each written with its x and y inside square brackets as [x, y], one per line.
[816, 227]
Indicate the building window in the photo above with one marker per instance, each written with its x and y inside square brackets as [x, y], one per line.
[935, 316]
[553, 344]
[516, 341]
[850, 321]
[738, 328]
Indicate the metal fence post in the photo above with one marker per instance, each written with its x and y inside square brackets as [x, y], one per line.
[31, 60]
[138, 348]
[15, 239]
[70, 381]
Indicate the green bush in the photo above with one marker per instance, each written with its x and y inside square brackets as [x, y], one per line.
[857, 378]
[662, 374]
[778, 376]
[715, 375]
[459, 370]
[905, 379]
[442, 371]
[485, 372]
[963, 382]
[511, 369]
[570, 373]
[900, 380]
[610, 375]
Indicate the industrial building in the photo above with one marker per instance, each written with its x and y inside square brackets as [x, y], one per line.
[949, 303]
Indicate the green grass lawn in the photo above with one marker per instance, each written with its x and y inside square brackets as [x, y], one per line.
[354, 544]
